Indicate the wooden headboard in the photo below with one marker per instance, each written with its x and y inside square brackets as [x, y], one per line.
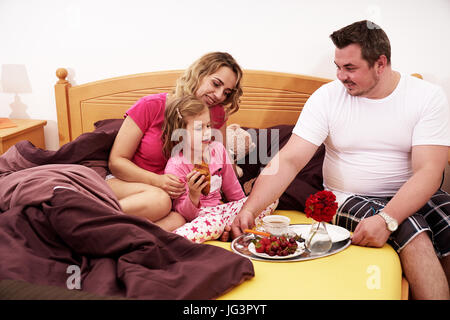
[269, 99]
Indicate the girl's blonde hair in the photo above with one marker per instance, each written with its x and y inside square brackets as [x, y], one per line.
[177, 109]
[189, 82]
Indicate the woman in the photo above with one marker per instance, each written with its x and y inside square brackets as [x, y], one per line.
[137, 161]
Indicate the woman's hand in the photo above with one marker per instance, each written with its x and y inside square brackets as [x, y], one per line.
[172, 185]
[196, 183]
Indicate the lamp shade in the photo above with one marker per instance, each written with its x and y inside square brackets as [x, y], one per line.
[15, 79]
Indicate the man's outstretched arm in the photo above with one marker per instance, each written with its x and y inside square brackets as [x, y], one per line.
[273, 181]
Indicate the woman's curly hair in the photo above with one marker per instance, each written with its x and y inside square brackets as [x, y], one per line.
[189, 82]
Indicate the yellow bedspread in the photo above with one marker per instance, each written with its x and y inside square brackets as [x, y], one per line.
[354, 273]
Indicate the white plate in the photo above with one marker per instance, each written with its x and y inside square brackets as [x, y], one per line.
[336, 233]
[299, 251]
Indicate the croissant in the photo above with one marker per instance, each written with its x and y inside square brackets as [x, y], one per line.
[203, 168]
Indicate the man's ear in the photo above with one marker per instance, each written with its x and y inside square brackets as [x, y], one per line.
[381, 64]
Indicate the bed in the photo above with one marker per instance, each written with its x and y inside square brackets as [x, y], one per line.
[270, 100]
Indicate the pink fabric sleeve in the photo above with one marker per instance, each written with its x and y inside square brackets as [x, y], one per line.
[183, 205]
[148, 114]
[142, 114]
[230, 183]
[218, 117]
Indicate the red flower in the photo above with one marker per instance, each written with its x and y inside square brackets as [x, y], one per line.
[321, 206]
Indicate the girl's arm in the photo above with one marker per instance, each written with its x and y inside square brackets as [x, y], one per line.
[183, 204]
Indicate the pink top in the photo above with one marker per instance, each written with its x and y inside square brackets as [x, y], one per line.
[223, 179]
[217, 115]
[148, 114]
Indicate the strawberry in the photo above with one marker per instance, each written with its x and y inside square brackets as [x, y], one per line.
[265, 241]
[259, 247]
[274, 245]
[281, 246]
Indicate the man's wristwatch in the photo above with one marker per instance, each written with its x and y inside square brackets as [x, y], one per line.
[391, 223]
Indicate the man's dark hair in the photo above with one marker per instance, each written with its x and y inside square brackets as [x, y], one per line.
[370, 37]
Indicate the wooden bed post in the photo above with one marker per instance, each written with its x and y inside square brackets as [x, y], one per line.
[62, 107]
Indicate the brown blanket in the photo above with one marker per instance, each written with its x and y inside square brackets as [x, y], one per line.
[58, 216]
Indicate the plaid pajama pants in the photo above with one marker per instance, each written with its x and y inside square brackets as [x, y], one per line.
[433, 218]
[211, 221]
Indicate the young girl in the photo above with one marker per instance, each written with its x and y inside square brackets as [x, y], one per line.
[187, 141]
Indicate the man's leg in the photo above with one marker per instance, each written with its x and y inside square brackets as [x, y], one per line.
[423, 270]
[416, 251]
[445, 262]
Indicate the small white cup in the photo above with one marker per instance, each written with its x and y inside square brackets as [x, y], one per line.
[276, 224]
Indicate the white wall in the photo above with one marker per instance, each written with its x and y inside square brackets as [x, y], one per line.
[97, 39]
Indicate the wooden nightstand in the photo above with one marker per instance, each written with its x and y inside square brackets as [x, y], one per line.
[27, 129]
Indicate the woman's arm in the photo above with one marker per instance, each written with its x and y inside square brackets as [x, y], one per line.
[123, 150]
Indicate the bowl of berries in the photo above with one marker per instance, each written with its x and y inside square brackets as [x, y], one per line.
[277, 247]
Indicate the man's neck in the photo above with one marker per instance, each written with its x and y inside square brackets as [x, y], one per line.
[386, 85]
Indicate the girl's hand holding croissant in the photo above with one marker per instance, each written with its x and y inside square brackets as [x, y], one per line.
[196, 183]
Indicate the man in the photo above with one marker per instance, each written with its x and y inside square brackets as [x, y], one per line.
[386, 136]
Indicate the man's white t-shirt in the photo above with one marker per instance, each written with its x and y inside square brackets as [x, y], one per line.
[368, 141]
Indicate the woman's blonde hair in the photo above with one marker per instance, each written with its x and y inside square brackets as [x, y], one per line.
[177, 110]
[189, 82]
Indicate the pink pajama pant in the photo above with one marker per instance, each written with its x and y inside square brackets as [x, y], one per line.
[211, 221]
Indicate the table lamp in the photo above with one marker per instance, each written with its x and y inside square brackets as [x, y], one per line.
[14, 79]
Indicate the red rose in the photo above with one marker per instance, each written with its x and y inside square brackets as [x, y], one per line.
[321, 206]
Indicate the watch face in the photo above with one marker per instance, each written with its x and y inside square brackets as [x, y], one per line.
[392, 226]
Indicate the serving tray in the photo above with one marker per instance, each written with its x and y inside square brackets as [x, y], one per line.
[240, 246]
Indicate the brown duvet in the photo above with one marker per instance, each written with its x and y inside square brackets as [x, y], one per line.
[58, 215]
